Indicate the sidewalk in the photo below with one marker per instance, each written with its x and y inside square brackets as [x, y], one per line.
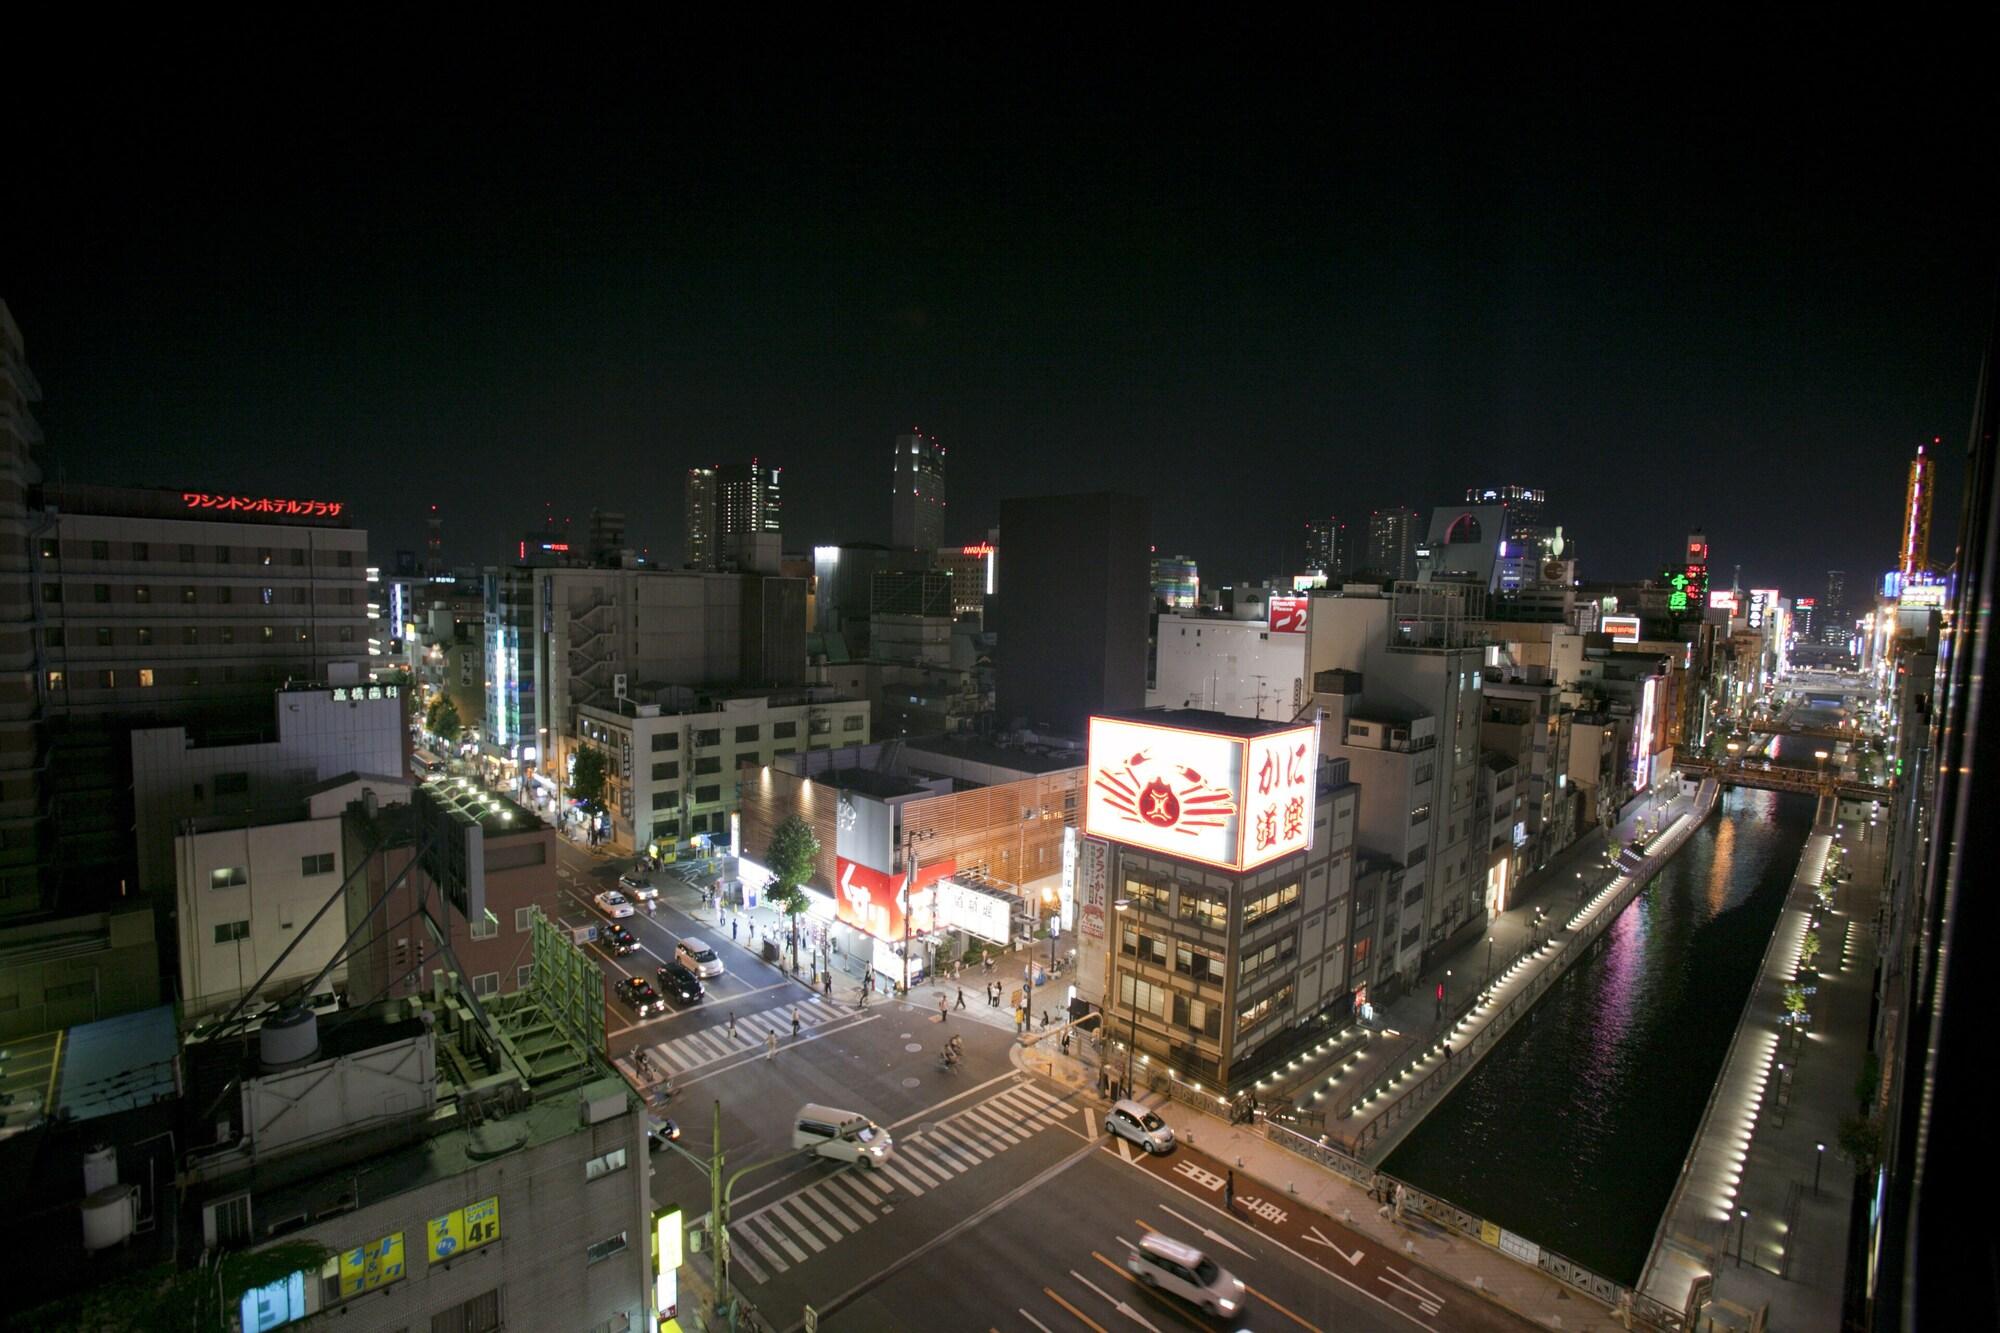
[1780, 1095]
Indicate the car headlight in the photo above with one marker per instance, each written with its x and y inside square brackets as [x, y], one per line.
[1226, 1304]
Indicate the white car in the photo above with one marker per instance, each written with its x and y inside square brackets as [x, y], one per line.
[1140, 1124]
[614, 904]
[1187, 1273]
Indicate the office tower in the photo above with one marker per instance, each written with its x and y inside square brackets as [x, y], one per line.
[607, 537]
[1176, 582]
[20, 729]
[1834, 625]
[748, 516]
[699, 550]
[1526, 519]
[1329, 550]
[1071, 617]
[1914, 553]
[1392, 542]
[433, 544]
[916, 492]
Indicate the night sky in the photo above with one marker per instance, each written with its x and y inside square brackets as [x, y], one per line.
[1317, 270]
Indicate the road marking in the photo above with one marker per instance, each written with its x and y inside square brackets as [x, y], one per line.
[1215, 1236]
[1089, 1123]
[1313, 1234]
[1050, 1292]
[1036, 1322]
[1124, 1148]
[829, 1030]
[1425, 1301]
[1115, 1302]
[1281, 1309]
[798, 1204]
[764, 1223]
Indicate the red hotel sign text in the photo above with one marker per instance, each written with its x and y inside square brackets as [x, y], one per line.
[250, 504]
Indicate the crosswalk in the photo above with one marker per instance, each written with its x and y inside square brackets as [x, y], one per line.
[691, 1051]
[805, 1223]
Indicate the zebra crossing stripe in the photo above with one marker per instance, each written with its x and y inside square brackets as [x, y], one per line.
[798, 1205]
[942, 1146]
[991, 1125]
[891, 1170]
[742, 1261]
[827, 1200]
[874, 1181]
[763, 1223]
[959, 1135]
[780, 1209]
[870, 1200]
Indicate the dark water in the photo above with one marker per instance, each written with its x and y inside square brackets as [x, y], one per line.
[1572, 1131]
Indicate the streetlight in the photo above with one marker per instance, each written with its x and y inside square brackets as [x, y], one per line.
[1742, 1225]
[1819, 1160]
[1489, 955]
[1821, 755]
[1131, 1010]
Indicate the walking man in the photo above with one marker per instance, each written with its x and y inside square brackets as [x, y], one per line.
[795, 1022]
[944, 1009]
[735, 924]
[827, 980]
[961, 998]
[770, 1045]
[732, 1025]
[1229, 1192]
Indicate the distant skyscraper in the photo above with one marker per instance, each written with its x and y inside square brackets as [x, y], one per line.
[1392, 542]
[607, 537]
[1833, 619]
[700, 547]
[1176, 582]
[1914, 555]
[433, 544]
[1525, 506]
[1329, 550]
[917, 494]
[748, 516]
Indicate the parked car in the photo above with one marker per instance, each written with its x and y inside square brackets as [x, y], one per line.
[679, 984]
[1141, 1125]
[614, 904]
[638, 993]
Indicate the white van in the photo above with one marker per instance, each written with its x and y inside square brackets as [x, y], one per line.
[698, 956]
[1187, 1273]
[844, 1136]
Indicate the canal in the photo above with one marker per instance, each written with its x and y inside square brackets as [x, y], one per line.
[1573, 1130]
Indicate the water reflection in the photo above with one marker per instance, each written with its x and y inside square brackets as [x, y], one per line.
[1573, 1130]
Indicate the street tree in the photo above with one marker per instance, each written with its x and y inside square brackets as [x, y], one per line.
[586, 784]
[793, 854]
[443, 720]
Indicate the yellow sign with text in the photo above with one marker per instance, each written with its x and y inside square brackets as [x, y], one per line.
[464, 1229]
[370, 1266]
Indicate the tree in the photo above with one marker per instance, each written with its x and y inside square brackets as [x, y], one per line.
[201, 1298]
[586, 783]
[443, 720]
[793, 855]
[1860, 1140]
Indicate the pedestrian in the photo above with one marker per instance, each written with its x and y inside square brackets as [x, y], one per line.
[735, 923]
[795, 1022]
[944, 1009]
[1065, 1041]
[732, 1025]
[827, 983]
[770, 1045]
[1020, 1019]
[961, 998]
[1229, 1192]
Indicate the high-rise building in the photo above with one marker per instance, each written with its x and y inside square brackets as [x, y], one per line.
[1914, 554]
[1329, 550]
[1525, 505]
[21, 739]
[1834, 625]
[699, 548]
[1392, 542]
[917, 494]
[433, 544]
[748, 516]
[607, 537]
[1071, 617]
[1176, 582]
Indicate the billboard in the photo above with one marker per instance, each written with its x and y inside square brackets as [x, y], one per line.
[1722, 599]
[870, 900]
[1230, 801]
[980, 912]
[1763, 604]
[862, 831]
[1622, 629]
[1923, 594]
[1288, 614]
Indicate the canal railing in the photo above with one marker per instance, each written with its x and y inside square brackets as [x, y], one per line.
[1405, 1203]
[1445, 1063]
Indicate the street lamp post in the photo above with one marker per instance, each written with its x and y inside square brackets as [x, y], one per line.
[1489, 956]
[1819, 1160]
[1131, 1010]
[1742, 1225]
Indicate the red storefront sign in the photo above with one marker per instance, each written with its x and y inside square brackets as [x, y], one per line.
[868, 900]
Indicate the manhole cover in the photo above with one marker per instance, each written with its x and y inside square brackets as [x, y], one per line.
[913, 1046]
[911, 1082]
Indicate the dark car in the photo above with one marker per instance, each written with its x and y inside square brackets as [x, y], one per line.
[680, 984]
[659, 1131]
[639, 993]
[618, 940]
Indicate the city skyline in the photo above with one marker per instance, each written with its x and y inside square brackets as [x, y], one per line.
[1647, 315]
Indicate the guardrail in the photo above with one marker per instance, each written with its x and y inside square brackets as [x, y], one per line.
[1404, 1200]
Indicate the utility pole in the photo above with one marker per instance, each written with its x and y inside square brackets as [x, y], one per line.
[719, 1194]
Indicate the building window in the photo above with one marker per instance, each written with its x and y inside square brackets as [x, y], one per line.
[55, 680]
[852, 722]
[707, 764]
[231, 784]
[319, 863]
[52, 592]
[100, 592]
[107, 680]
[299, 596]
[1420, 815]
[1145, 893]
[263, 555]
[229, 877]
[1197, 963]
[226, 593]
[524, 920]
[304, 634]
[1278, 951]
[666, 770]
[486, 983]
[48, 548]
[52, 637]
[347, 634]
[523, 974]
[707, 795]
[606, 1249]
[484, 927]
[187, 595]
[267, 634]
[264, 595]
[599, 1167]
[103, 636]
[666, 740]
[344, 559]
[1212, 913]
[1198, 1016]
[228, 932]
[748, 735]
[142, 592]
[187, 553]
[344, 596]
[298, 555]
[784, 731]
[100, 550]
[711, 736]
[229, 634]
[1274, 1003]
[1276, 900]
[666, 800]
[145, 678]
[1135, 993]
[222, 555]
[819, 726]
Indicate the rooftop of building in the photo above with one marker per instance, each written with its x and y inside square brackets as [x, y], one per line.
[870, 782]
[496, 815]
[1033, 755]
[657, 699]
[199, 505]
[1205, 719]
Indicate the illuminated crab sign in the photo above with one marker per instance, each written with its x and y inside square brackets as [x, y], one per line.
[1233, 801]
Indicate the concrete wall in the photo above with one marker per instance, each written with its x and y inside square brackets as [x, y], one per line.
[1230, 666]
[277, 899]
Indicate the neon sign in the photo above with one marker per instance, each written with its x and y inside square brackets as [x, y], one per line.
[1230, 801]
[1622, 629]
[246, 504]
[978, 548]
